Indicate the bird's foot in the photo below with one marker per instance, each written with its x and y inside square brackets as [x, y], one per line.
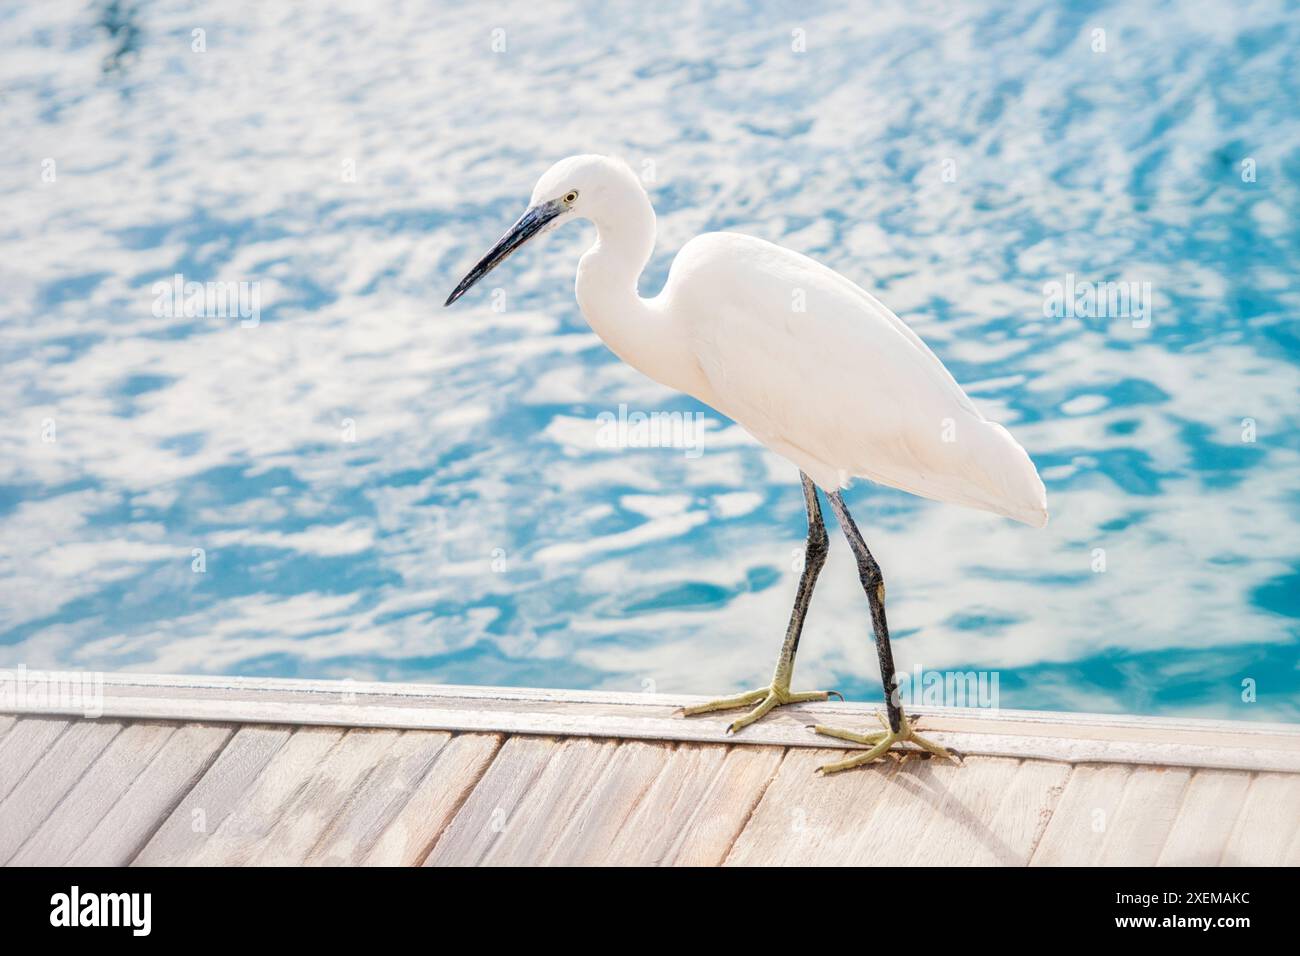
[880, 743]
[767, 699]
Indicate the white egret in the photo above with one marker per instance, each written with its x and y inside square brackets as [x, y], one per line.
[808, 363]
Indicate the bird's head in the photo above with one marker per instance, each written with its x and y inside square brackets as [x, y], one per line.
[579, 187]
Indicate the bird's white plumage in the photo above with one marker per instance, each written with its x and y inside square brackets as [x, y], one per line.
[807, 362]
[824, 374]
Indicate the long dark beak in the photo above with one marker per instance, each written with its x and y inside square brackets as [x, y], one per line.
[529, 224]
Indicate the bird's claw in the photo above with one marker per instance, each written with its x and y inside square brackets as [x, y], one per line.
[766, 699]
[881, 744]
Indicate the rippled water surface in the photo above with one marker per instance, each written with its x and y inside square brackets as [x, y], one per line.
[384, 489]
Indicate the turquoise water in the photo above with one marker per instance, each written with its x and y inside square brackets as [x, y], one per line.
[341, 479]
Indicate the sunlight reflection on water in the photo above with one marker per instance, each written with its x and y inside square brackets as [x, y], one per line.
[467, 525]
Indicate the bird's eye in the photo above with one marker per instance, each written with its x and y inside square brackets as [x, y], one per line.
[571, 196]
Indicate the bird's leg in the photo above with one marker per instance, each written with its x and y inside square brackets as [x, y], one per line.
[898, 729]
[778, 693]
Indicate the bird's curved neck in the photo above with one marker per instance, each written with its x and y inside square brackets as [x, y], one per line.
[634, 329]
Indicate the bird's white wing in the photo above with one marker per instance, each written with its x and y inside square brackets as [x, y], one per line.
[824, 374]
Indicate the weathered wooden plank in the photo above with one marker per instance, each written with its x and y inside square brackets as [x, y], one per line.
[212, 800]
[418, 695]
[630, 773]
[486, 812]
[1141, 825]
[544, 809]
[240, 835]
[964, 831]
[711, 830]
[1074, 738]
[1204, 821]
[375, 801]
[915, 796]
[577, 799]
[59, 768]
[648, 833]
[806, 819]
[1023, 817]
[93, 796]
[1293, 855]
[152, 796]
[1268, 822]
[331, 785]
[407, 839]
[25, 744]
[1083, 816]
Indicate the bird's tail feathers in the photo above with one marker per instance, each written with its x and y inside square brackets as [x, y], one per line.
[989, 471]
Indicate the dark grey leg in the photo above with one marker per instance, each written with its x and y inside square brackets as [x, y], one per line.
[779, 692]
[873, 582]
[814, 557]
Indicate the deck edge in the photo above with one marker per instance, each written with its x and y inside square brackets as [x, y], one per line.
[1071, 738]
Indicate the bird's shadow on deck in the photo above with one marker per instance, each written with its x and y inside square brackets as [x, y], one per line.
[917, 777]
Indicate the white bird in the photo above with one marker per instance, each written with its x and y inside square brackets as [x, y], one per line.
[811, 365]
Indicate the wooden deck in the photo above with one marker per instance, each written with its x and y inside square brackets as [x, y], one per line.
[223, 771]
